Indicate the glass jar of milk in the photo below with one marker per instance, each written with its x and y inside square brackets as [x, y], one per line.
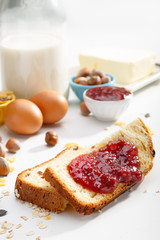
[33, 47]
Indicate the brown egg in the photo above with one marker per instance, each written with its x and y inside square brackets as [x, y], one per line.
[23, 116]
[52, 104]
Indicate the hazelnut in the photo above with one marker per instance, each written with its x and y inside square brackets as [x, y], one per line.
[94, 80]
[2, 150]
[99, 73]
[13, 145]
[84, 109]
[81, 80]
[84, 72]
[4, 167]
[76, 80]
[51, 138]
[106, 79]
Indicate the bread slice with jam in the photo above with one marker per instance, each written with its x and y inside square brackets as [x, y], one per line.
[87, 201]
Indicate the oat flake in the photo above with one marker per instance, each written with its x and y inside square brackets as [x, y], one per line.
[29, 205]
[9, 235]
[42, 226]
[6, 225]
[24, 218]
[3, 231]
[19, 226]
[30, 233]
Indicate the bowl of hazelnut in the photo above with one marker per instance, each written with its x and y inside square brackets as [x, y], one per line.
[87, 79]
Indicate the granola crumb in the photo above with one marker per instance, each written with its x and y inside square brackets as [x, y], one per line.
[19, 226]
[115, 200]
[24, 218]
[158, 191]
[145, 191]
[120, 123]
[130, 190]
[106, 128]
[151, 132]
[11, 159]
[11, 168]
[48, 217]
[71, 144]
[2, 182]
[38, 238]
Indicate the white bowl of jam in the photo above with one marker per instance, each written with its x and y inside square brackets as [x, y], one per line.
[107, 103]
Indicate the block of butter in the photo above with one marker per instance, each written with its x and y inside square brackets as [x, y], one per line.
[127, 65]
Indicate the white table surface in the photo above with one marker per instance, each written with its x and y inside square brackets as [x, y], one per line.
[135, 215]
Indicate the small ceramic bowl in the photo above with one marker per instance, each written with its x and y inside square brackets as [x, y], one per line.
[107, 110]
[79, 89]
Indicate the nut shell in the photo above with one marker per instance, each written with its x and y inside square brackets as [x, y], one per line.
[2, 150]
[96, 72]
[106, 79]
[4, 167]
[84, 72]
[13, 145]
[94, 80]
[84, 110]
[51, 138]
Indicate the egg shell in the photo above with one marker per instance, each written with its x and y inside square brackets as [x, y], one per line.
[52, 104]
[23, 116]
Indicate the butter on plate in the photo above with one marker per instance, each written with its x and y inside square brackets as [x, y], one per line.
[127, 65]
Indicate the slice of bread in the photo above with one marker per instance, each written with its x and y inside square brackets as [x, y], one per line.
[86, 201]
[32, 187]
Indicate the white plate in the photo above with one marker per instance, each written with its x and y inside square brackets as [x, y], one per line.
[135, 215]
[134, 86]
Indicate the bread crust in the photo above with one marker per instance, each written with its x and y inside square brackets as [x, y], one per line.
[151, 149]
[83, 207]
[42, 198]
[79, 206]
[48, 199]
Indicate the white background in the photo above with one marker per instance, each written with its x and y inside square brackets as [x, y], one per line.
[122, 23]
[136, 214]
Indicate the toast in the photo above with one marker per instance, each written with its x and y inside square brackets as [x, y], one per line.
[31, 186]
[86, 201]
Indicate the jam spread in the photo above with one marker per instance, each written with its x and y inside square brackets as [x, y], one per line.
[107, 93]
[101, 171]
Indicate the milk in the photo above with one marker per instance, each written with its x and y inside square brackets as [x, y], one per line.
[32, 63]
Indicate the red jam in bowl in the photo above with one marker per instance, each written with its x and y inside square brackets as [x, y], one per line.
[101, 171]
[107, 93]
